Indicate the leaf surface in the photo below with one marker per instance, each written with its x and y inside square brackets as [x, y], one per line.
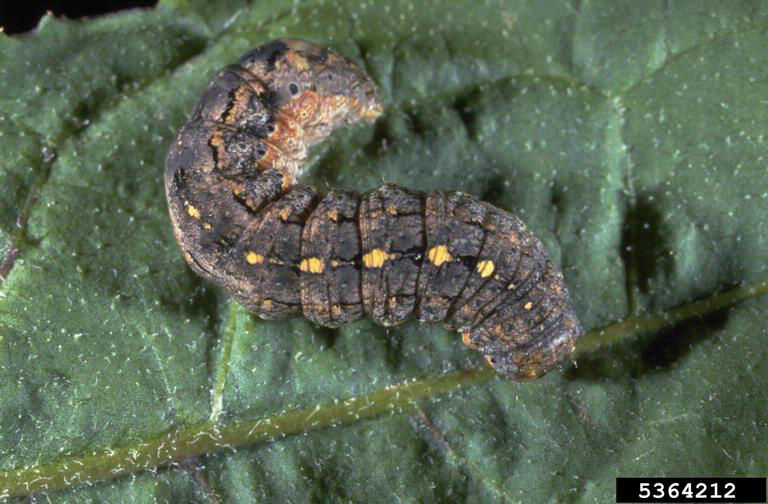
[631, 140]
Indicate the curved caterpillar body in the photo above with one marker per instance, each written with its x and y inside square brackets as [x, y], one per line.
[283, 249]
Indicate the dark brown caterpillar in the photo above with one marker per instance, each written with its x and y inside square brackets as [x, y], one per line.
[243, 221]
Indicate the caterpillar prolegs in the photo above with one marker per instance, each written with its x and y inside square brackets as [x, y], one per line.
[243, 221]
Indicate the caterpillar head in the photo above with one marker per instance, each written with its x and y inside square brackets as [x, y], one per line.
[316, 87]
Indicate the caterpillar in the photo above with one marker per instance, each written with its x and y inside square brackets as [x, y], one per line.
[243, 221]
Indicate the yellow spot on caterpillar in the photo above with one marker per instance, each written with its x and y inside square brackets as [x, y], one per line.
[193, 212]
[514, 239]
[285, 213]
[334, 263]
[511, 286]
[333, 215]
[485, 268]
[528, 305]
[336, 310]
[254, 258]
[316, 265]
[391, 210]
[206, 225]
[267, 304]
[439, 255]
[312, 265]
[375, 258]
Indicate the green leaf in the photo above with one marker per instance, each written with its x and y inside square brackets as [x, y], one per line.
[630, 137]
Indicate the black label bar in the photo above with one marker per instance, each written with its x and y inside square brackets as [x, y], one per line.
[726, 490]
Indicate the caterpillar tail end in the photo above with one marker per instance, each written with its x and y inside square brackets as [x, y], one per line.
[533, 360]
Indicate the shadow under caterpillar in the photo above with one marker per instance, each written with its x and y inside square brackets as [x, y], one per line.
[244, 222]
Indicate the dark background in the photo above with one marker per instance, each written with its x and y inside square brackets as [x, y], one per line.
[18, 16]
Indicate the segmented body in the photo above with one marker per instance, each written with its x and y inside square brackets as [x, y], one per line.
[283, 249]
